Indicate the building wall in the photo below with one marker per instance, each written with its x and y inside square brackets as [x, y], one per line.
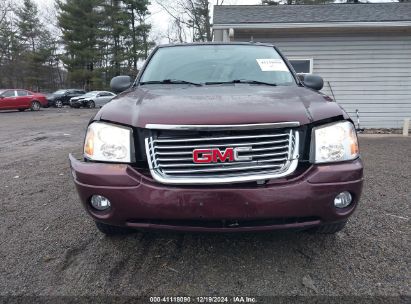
[368, 72]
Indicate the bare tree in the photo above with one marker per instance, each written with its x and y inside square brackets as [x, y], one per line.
[176, 32]
[190, 18]
[5, 8]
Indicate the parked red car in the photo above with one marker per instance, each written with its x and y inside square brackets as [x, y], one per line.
[21, 100]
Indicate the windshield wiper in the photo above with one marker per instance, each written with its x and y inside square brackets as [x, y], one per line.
[170, 81]
[242, 81]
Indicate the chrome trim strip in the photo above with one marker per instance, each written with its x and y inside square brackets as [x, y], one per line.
[190, 159]
[221, 145]
[276, 125]
[221, 169]
[289, 167]
[228, 165]
[161, 141]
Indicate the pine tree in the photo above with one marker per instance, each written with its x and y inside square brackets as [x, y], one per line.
[34, 45]
[138, 30]
[81, 24]
[29, 24]
[103, 38]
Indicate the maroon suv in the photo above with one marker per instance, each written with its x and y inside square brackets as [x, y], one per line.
[219, 137]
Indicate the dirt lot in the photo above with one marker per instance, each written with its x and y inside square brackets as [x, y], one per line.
[49, 246]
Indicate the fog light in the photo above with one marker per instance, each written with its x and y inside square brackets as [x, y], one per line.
[343, 199]
[100, 202]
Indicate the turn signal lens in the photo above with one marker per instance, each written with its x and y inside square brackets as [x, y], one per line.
[89, 143]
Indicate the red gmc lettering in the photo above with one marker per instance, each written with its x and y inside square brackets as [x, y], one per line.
[205, 156]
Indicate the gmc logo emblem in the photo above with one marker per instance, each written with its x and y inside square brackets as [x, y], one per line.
[206, 156]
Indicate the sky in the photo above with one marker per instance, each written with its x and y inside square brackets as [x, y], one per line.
[159, 18]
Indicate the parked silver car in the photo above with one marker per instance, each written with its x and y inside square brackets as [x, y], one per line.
[92, 99]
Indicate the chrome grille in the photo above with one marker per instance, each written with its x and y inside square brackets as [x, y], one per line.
[274, 154]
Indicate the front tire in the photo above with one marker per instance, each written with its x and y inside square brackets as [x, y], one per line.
[35, 106]
[111, 230]
[58, 104]
[22, 110]
[328, 228]
[91, 104]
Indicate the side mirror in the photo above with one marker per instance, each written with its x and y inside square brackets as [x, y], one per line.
[120, 83]
[1, 96]
[311, 81]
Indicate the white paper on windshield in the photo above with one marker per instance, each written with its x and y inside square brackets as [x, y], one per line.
[269, 65]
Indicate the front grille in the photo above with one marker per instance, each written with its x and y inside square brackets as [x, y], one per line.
[268, 154]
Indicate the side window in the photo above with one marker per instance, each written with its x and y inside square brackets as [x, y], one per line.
[80, 92]
[302, 65]
[21, 93]
[105, 94]
[9, 93]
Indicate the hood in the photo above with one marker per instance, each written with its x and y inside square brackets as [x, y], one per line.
[77, 98]
[53, 96]
[218, 104]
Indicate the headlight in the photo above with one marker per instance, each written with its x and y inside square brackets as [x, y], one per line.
[334, 143]
[107, 142]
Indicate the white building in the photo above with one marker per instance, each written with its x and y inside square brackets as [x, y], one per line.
[363, 51]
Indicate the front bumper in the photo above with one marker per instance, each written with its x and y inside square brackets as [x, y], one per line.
[78, 103]
[140, 202]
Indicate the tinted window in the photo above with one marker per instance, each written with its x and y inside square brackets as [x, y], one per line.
[9, 93]
[60, 92]
[22, 93]
[218, 63]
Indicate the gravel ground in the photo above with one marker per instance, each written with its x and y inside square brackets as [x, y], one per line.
[49, 246]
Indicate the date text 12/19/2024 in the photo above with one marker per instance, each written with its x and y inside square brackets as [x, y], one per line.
[185, 299]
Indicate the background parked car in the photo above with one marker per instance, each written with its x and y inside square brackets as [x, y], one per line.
[62, 97]
[21, 100]
[92, 99]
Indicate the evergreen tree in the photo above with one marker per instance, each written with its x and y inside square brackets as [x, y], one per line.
[139, 30]
[116, 29]
[29, 25]
[103, 38]
[81, 22]
[33, 48]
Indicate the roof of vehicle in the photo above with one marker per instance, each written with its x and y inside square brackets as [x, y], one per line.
[14, 89]
[70, 90]
[305, 13]
[216, 43]
[97, 92]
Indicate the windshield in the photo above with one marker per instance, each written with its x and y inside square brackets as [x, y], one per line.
[210, 64]
[59, 92]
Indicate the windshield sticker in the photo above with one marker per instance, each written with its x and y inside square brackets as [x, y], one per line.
[269, 65]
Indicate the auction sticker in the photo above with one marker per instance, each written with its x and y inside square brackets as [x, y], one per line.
[269, 65]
